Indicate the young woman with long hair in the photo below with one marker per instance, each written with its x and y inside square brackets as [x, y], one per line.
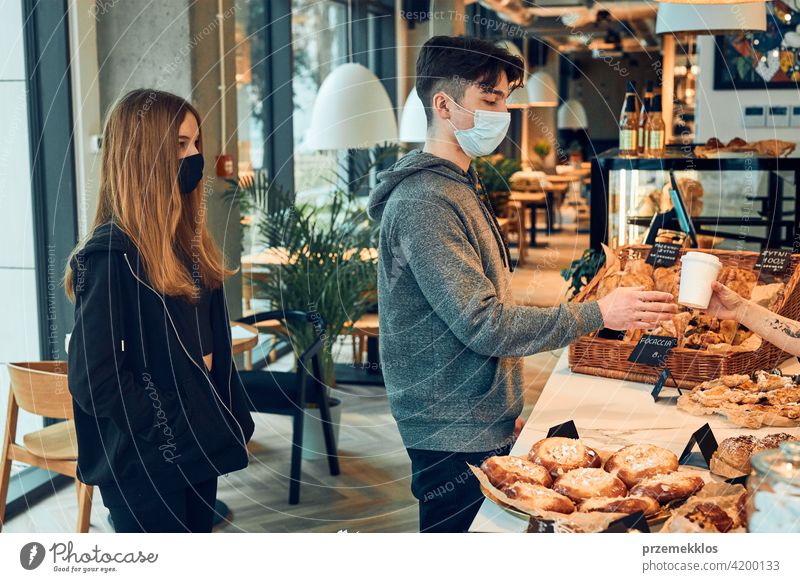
[160, 411]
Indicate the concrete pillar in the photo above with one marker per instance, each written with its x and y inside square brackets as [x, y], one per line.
[174, 46]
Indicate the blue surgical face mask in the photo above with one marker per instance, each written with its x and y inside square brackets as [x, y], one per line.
[488, 130]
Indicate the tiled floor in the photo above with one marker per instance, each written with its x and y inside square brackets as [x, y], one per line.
[372, 492]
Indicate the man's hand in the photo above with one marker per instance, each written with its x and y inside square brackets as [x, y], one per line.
[633, 308]
[725, 303]
[518, 424]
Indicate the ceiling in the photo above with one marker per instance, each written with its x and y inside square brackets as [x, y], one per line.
[602, 27]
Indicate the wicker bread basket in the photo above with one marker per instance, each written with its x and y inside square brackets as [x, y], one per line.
[609, 358]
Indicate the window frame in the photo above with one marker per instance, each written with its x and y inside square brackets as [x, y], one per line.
[54, 200]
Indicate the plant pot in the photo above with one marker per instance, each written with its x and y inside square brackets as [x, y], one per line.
[313, 437]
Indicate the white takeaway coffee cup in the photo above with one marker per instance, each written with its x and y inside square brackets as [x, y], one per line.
[698, 271]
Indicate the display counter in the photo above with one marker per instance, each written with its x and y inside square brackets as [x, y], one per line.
[610, 414]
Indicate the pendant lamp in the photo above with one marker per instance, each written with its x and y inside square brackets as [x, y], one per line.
[572, 115]
[413, 123]
[542, 90]
[719, 16]
[352, 109]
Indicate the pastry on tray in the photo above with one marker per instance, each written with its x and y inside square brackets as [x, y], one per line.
[560, 455]
[632, 504]
[772, 148]
[582, 484]
[636, 462]
[539, 498]
[732, 457]
[669, 487]
[584, 496]
[503, 471]
[716, 508]
[761, 399]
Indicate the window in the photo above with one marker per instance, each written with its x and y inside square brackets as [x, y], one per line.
[320, 44]
[39, 226]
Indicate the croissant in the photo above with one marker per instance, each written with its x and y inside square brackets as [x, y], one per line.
[774, 148]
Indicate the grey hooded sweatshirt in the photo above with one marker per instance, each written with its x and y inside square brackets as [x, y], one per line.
[452, 339]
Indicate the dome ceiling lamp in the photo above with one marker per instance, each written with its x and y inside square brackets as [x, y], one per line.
[542, 89]
[352, 109]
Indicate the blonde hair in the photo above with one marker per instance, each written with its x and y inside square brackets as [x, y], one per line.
[139, 192]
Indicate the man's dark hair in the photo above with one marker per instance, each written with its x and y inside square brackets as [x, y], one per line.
[450, 63]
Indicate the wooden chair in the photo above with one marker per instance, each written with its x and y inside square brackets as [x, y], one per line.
[291, 393]
[41, 388]
[514, 222]
[363, 329]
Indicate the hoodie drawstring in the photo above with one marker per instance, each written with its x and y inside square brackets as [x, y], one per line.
[502, 245]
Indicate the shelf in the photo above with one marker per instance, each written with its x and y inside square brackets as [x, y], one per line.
[682, 158]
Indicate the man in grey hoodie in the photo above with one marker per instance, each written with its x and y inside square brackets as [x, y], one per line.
[452, 339]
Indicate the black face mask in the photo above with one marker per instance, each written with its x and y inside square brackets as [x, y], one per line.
[190, 172]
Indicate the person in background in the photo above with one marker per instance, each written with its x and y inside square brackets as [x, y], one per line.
[452, 338]
[778, 330]
[160, 411]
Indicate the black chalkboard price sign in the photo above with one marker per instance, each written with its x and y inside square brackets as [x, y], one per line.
[652, 350]
[663, 254]
[773, 263]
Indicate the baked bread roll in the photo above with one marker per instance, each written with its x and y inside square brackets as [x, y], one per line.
[647, 505]
[539, 498]
[669, 487]
[503, 471]
[581, 484]
[636, 462]
[740, 280]
[560, 455]
[639, 267]
[732, 457]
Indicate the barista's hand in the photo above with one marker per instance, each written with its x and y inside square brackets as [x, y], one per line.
[633, 308]
[725, 303]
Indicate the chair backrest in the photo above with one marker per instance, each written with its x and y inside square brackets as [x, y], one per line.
[41, 388]
[315, 320]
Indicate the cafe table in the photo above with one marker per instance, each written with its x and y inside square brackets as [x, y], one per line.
[608, 415]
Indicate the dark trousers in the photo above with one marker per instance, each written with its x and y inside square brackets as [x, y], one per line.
[449, 495]
[189, 509]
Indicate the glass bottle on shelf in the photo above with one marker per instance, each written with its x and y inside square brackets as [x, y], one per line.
[654, 146]
[629, 124]
[643, 112]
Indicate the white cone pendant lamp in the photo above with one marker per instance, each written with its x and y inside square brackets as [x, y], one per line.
[719, 16]
[413, 123]
[542, 90]
[518, 99]
[572, 115]
[352, 110]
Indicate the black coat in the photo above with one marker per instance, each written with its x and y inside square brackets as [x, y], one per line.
[148, 415]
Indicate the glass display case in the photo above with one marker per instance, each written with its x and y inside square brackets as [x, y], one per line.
[746, 202]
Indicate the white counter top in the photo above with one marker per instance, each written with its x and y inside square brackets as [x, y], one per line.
[608, 415]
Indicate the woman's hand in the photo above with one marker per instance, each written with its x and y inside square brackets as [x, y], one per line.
[633, 308]
[725, 303]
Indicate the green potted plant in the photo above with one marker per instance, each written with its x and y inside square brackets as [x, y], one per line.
[495, 172]
[330, 268]
[583, 270]
[542, 149]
